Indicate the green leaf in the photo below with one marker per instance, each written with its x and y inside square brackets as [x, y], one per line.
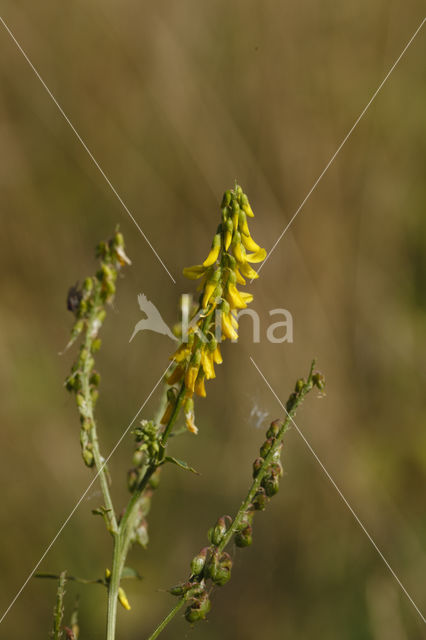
[181, 463]
[130, 574]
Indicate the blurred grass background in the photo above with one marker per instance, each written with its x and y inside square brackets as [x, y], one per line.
[176, 100]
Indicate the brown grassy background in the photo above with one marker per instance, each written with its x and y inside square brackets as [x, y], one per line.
[176, 100]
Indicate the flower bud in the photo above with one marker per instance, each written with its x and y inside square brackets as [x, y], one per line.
[274, 429]
[227, 196]
[132, 479]
[122, 598]
[318, 380]
[154, 480]
[299, 385]
[95, 378]
[291, 402]
[257, 464]
[266, 447]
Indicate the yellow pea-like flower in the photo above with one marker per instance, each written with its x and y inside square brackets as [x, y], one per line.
[200, 388]
[207, 363]
[214, 251]
[259, 256]
[245, 205]
[189, 415]
[191, 376]
[242, 223]
[228, 234]
[234, 297]
[182, 353]
[248, 271]
[247, 297]
[240, 278]
[227, 328]
[167, 414]
[239, 251]
[122, 598]
[194, 272]
[217, 356]
[249, 243]
[175, 376]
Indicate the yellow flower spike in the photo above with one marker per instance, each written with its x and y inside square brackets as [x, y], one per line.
[175, 375]
[247, 271]
[195, 272]
[259, 256]
[249, 243]
[122, 598]
[234, 297]
[245, 205]
[214, 251]
[207, 363]
[200, 388]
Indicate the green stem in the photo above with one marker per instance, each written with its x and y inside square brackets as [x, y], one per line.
[113, 586]
[251, 493]
[99, 461]
[167, 619]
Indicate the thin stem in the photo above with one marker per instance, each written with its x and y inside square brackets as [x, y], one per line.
[167, 619]
[251, 493]
[113, 586]
[99, 461]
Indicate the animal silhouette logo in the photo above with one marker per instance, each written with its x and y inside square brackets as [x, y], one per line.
[153, 320]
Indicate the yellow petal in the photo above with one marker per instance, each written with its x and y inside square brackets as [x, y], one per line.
[214, 251]
[247, 270]
[191, 376]
[228, 238]
[200, 388]
[249, 243]
[217, 356]
[122, 598]
[234, 298]
[239, 251]
[175, 375]
[167, 414]
[247, 297]
[208, 290]
[228, 329]
[259, 256]
[240, 278]
[195, 272]
[207, 363]
[242, 223]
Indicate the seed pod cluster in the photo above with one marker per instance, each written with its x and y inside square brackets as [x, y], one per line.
[87, 305]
